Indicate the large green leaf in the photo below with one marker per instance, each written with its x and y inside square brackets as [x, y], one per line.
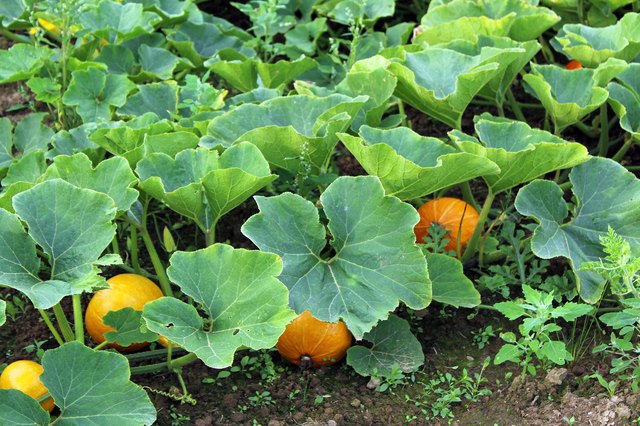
[392, 345]
[159, 98]
[112, 177]
[593, 46]
[287, 129]
[348, 12]
[510, 52]
[521, 153]
[625, 99]
[27, 168]
[19, 409]
[72, 225]
[601, 203]
[11, 10]
[237, 289]
[134, 144]
[128, 326]
[30, 135]
[411, 166]
[373, 262]
[466, 19]
[200, 41]
[569, 95]
[127, 21]
[450, 285]
[358, 82]
[96, 93]
[22, 61]
[93, 387]
[248, 74]
[442, 82]
[202, 185]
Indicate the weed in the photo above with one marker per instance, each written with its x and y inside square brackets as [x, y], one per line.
[482, 336]
[261, 399]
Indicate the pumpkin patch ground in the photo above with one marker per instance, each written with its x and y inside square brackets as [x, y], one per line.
[320, 212]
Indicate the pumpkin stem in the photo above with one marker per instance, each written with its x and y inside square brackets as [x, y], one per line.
[306, 362]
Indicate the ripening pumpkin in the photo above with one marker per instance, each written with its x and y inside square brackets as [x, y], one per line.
[456, 216]
[309, 342]
[24, 376]
[125, 291]
[573, 65]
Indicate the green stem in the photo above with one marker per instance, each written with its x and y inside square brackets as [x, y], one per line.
[633, 168]
[210, 235]
[514, 106]
[585, 130]
[78, 323]
[467, 194]
[139, 272]
[52, 328]
[610, 309]
[484, 214]
[63, 323]
[489, 307]
[603, 143]
[100, 346]
[133, 248]
[566, 186]
[115, 248]
[401, 111]
[161, 366]
[165, 284]
[15, 37]
[150, 354]
[623, 150]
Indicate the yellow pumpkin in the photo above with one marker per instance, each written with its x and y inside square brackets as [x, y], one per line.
[24, 376]
[309, 342]
[125, 291]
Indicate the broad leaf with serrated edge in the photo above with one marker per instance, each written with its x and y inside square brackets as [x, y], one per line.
[569, 95]
[237, 289]
[112, 177]
[624, 98]
[19, 409]
[96, 93]
[29, 135]
[72, 225]
[78, 378]
[128, 326]
[375, 264]
[288, 128]
[202, 185]
[411, 166]
[392, 344]
[159, 98]
[128, 21]
[449, 283]
[521, 153]
[21, 62]
[601, 203]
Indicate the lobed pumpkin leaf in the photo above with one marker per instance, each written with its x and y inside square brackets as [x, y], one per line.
[96, 93]
[569, 95]
[160, 99]
[624, 98]
[11, 11]
[293, 132]
[202, 185]
[129, 327]
[450, 285]
[19, 409]
[78, 377]
[29, 135]
[127, 20]
[521, 153]
[392, 346]
[467, 19]
[112, 177]
[411, 166]
[72, 225]
[375, 263]
[593, 46]
[237, 289]
[22, 61]
[601, 203]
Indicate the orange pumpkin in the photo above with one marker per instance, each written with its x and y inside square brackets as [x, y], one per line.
[24, 376]
[309, 342]
[125, 291]
[456, 216]
[573, 65]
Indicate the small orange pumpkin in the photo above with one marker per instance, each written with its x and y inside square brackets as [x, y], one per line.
[125, 291]
[309, 342]
[456, 216]
[573, 65]
[24, 376]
